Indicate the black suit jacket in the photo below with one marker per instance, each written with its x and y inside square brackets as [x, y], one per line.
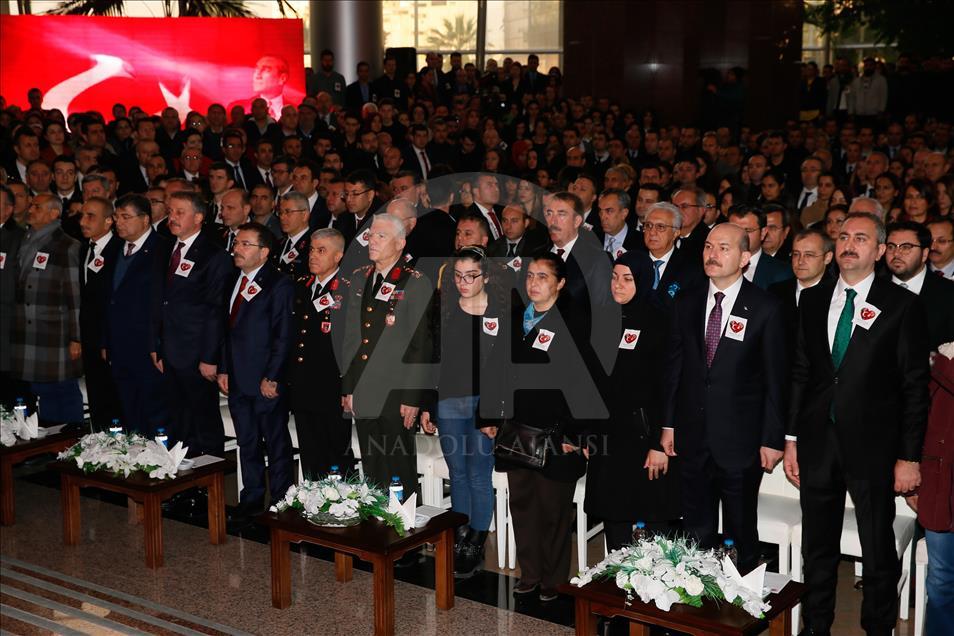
[683, 272]
[739, 403]
[879, 395]
[937, 294]
[93, 293]
[297, 266]
[696, 240]
[529, 243]
[353, 97]
[11, 236]
[770, 270]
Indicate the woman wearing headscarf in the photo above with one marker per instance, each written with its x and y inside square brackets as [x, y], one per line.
[629, 479]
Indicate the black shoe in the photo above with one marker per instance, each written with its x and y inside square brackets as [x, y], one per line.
[243, 515]
[460, 536]
[547, 595]
[471, 556]
[522, 589]
[808, 631]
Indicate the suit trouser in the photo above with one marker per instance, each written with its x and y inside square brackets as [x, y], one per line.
[196, 420]
[705, 485]
[142, 396]
[324, 437]
[542, 511]
[100, 390]
[387, 448]
[257, 418]
[823, 509]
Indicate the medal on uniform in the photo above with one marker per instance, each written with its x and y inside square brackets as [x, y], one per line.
[326, 327]
[389, 320]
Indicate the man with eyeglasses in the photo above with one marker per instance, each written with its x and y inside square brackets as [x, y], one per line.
[941, 255]
[291, 258]
[282, 168]
[130, 322]
[762, 269]
[812, 252]
[906, 256]
[191, 162]
[257, 340]
[359, 197]
[692, 203]
[674, 270]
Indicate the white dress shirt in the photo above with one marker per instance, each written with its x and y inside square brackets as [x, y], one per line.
[294, 241]
[749, 272]
[188, 243]
[838, 302]
[731, 294]
[98, 246]
[947, 270]
[318, 284]
[566, 248]
[812, 196]
[665, 259]
[799, 287]
[915, 283]
[312, 200]
[138, 243]
[238, 283]
[617, 239]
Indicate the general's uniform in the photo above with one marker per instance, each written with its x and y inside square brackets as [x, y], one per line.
[387, 344]
[292, 260]
[314, 378]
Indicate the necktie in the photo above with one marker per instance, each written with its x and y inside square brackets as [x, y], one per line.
[239, 180]
[316, 292]
[129, 248]
[657, 265]
[427, 165]
[903, 285]
[939, 272]
[511, 249]
[378, 279]
[843, 330]
[496, 223]
[92, 252]
[609, 244]
[174, 261]
[804, 201]
[228, 246]
[268, 178]
[714, 329]
[288, 244]
[238, 301]
[560, 252]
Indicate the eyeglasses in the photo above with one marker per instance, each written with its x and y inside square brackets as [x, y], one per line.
[466, 278]
[686, 206]
[942, 241]
[287, 212]
[657, 227]
[351, 195]
[901, 248]
[247, 244]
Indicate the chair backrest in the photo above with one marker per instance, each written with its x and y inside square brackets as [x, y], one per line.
[776, 483]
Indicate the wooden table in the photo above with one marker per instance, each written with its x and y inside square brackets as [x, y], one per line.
[150, 493]
[371, 541]
[603, 598]
[20, 452]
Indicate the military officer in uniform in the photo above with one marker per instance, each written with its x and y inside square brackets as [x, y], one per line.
[387, 344]
[293, 213]
[314, 380]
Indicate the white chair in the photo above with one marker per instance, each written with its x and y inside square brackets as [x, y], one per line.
[779, 513]
[920, 580]
[904, 523]
[582, 534]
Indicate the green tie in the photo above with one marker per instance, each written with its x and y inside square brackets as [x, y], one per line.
[843, 331]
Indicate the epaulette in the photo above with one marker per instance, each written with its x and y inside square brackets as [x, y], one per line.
[364, 268]
[306, 279]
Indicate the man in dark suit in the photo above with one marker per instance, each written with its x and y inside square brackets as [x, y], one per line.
[906, 258]
[859, 406]
[674, 270]
[812, 252]
[416, 156]
[11, 236]
[725, 390]
[291, 257]
[516, 241]
[359, 92]
[132, 317]
[314, 374]
[486, 192]
[691, 201]
[763, 270]
[258, 315]
[100, 245]
[233, 149]
[337, 215]
[617, 236]
[190, 340]
[134, 177]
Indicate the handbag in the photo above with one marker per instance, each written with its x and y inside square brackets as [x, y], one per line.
[522, 445]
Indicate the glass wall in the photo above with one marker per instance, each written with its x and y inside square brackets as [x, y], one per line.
[854, 44]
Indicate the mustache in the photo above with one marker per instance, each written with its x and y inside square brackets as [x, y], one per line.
[849, 253]
[712, 261]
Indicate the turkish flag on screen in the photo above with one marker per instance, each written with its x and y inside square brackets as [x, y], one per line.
[90, 63]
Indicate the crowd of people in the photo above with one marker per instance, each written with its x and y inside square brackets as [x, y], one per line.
[671, 311]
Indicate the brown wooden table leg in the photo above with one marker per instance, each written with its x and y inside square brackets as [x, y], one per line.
[70, 502]
[383, 595]
[217, 509]
[152, 529]
[134, 513]
[281, 570]
[7, 515]
[781, 625]
[585, 619]
[638, 629]
[343, 563]
[444, 570]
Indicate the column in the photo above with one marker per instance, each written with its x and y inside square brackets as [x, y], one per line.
[353, 30]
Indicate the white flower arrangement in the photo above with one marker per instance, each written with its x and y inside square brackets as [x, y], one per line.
[125, 454]
[14, 425]
[665, 571]
[338, 502]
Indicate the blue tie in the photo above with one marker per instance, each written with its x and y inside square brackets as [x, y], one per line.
[656, 266]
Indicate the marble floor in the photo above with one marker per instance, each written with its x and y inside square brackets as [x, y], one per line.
[103, 587]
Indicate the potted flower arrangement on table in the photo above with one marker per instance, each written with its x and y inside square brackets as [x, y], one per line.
[123, 455]
[335, 502]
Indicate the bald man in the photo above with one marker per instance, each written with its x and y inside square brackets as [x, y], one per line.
[724, 399]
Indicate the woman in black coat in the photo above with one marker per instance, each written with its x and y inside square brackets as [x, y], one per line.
[545, 352]
[629, 478]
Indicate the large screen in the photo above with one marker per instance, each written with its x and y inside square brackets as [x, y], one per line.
[90, 63]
